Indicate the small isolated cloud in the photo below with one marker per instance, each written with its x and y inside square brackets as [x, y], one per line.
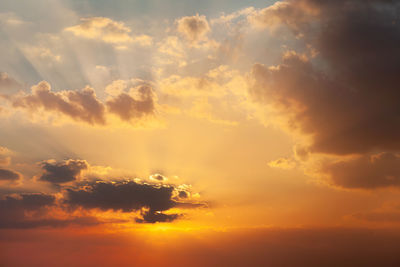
[283, 163]
[109, 31]
[158, 177]
[194, 28]
[62, 172]
[102, 28]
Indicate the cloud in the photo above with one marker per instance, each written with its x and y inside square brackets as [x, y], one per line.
[87, 203]
[152, 200]
[158, 177]
[368, 172]
[13, 209]
[194, 28]
[349, 105]
[9, 175]
[62, 172]
[294, 14]
[103, 29]
[7, 83]
[138, 103]
[80, 105]
[83, 105]
[124, 196]
[5, 158]
[340, 93]
[33, 210]
[108, 31]
[154, 216]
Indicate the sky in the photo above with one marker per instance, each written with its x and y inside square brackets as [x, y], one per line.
[199, 133]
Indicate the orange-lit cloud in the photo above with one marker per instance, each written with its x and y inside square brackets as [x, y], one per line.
[107, 30]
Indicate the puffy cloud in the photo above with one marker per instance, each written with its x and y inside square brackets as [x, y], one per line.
[294, 14]
[80, 105]
[194, 28]
[62, 172]
[83, 105]
[138, 103]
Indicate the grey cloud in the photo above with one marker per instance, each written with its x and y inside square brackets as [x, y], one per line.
[62, 172]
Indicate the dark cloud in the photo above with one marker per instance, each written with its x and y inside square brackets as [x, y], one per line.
[347, 99]
[126, 197]
[8, 175]
[155, 216]
[62, 172]
[80, 105]
[367, 172]
[128, 107]
[183, 194]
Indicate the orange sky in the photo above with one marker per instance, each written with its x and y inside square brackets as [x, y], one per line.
[238, 131]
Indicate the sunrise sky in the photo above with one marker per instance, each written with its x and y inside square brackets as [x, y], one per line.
[199, 133]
